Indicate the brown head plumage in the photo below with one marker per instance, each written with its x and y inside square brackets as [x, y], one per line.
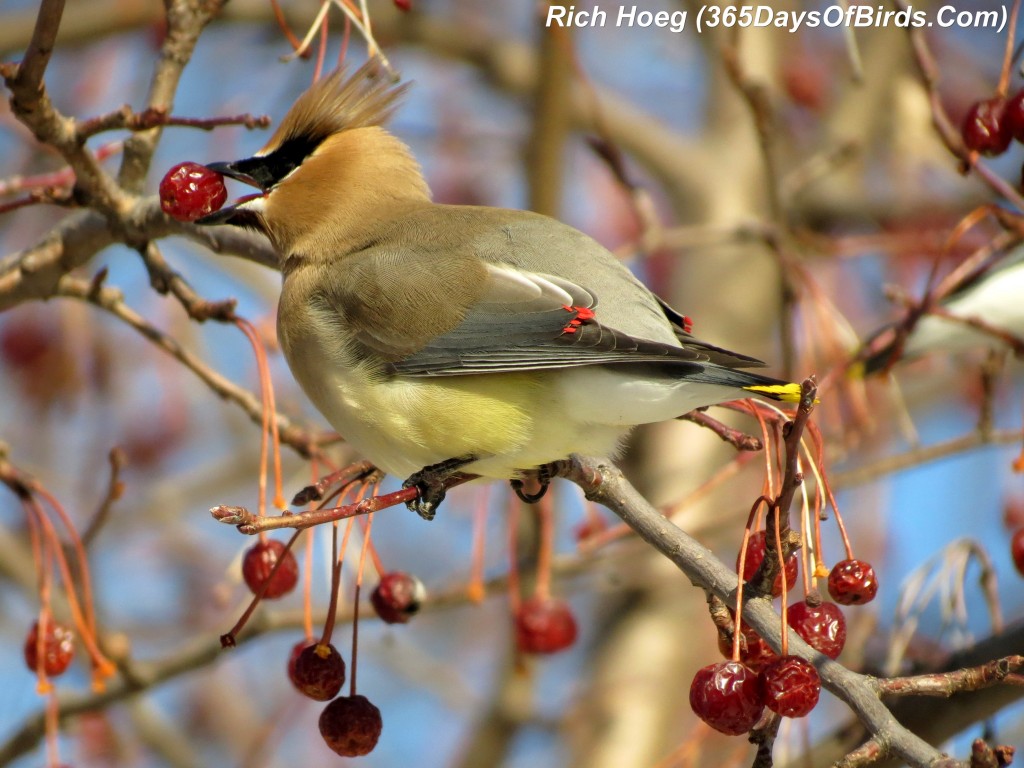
[337, 103]
[330, 171]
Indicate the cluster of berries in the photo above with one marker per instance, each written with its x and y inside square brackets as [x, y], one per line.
[350, 725]
[731, 696]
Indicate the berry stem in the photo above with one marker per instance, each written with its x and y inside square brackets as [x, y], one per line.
[378, 564]
[815, 463]
[322, 50]
[784, 648]
[307, 574]
[345, 37]
[228, 640]
[839, 522]
[269, 413]
[754, 510]
[769, 487]
[332, 606]
[307, 590]
[1011, 28]
[355, 608]
[102, 667]
[545, 512]
[475, 590]
[261, 503]
[81, 561]
[337, 560]
[809, 551]
[52, 716]
[513, 554]
[282, 22]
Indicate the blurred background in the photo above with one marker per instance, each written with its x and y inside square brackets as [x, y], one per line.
[767, 183]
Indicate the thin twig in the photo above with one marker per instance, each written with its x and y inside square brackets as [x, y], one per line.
[115, 490]
[152, 117]
[946, 684]
[738, 439]
[111, 300]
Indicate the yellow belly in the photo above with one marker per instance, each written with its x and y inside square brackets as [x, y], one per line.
[509, 422]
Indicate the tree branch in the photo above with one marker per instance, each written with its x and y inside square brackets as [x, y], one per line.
[605, 484]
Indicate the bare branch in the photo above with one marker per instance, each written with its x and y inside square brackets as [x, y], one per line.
[605, 484]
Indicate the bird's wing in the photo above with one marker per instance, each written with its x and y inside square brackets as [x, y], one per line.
[530, 321]
[681, 325]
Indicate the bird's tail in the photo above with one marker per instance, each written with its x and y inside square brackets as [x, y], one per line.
[786, 392]
[755, 383]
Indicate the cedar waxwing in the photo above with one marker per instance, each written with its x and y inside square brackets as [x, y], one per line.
[446, 338]
[995, 297]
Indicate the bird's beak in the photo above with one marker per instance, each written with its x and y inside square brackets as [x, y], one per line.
[247, 172]
[237, 171]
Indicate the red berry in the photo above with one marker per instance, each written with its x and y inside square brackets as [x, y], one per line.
[755, 653]
[398, 597]
[1013, 116]
[755, 556]
[351, 725]
[24, 342]
[984, 129]
[790, 686]
[403, 5]
[727, 696]
[190, 191]
[1017, 550]
[852, 582]
[544, 625]
[58, 648]
[259, 562]
[316, 670]
[823, 627]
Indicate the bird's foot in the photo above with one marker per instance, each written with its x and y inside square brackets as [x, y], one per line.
[544, 473]
[431, 483]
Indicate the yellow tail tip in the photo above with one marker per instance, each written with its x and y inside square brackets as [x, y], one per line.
[787, 393]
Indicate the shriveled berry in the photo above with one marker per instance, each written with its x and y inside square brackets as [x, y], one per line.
[1017, 550]
[755, 652]
[58, 648]
[755, 556]
[190, 191]
[317, 670]
[259, 562]
[351, 725]
[823, 626]
[398, 597]
[727, 696]
[545, 625]
[984, 129]
[1013, 116]
[790, 686]
[852, 582]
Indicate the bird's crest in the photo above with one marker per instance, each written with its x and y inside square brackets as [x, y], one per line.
[337, 103]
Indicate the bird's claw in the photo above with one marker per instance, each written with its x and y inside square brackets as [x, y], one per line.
[543, 473]
[431, 491]
[431, 483]
[519, 487]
